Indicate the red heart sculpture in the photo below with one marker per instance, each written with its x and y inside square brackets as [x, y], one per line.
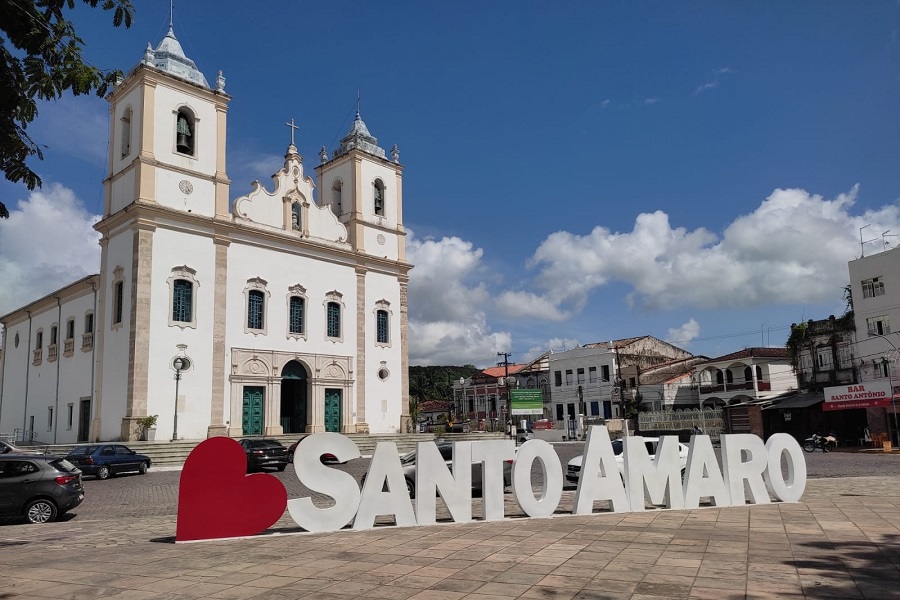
[216, 499]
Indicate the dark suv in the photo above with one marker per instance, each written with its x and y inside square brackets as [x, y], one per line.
[39, 488]
[262, 453]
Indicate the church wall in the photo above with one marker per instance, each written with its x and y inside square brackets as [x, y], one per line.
[122, 192]
[201, 198]
[172, 249]
[384, 246]
[344, 172]
[116, 337]
[370, 171]
[42, 377]
[383, 397]
[167, 102]
[16, 365]
[75, 370]
[134, 100]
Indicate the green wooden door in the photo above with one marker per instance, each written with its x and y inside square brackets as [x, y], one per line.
[333, 410]
[252, 417]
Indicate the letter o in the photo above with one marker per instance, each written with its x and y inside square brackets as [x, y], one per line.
[788, 489]
[553, 478]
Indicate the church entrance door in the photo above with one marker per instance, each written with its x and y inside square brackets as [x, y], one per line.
[333, 410]
[294, 386]
[252, 413]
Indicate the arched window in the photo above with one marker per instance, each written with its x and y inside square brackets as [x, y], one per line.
[53, 335]
[379, 197]
[334, 320]
[126, 132]
[720, 379]
[185, 133]
[295, 216]
[759, 372]
[182, 301]
[336, 189]
[729, 377]
[748, 374]
[70, 329]
[297, 309]
[256, 309]
[38, 340]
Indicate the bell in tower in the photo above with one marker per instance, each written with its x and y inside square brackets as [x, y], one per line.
[184, 141]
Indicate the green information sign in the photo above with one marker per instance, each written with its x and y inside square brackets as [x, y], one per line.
[527, 402]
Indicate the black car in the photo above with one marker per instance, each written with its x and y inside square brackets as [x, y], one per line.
[263, 453]
[327, 458]
[104, 460]
[38, 488]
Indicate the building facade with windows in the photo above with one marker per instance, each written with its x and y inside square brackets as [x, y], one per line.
[290, 309]
[745, 375]
[875, 289]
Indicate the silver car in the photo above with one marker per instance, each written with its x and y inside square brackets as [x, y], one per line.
[408, 461]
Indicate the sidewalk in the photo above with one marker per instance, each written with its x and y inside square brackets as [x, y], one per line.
[843, 541]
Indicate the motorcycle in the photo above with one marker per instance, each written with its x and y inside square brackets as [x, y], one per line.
[825, 443]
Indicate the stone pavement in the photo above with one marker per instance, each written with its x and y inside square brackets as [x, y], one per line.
[843, 541]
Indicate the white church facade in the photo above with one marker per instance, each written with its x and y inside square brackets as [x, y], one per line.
[288, 309]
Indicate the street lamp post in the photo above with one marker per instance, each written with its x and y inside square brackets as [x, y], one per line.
[180, 364]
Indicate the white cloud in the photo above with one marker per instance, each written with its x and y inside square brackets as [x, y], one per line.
[48, 242]
[706, 86]
[684, 334]
[448, 316]
[794, 248]
[650, 101]
[605, 104]
[723, 71]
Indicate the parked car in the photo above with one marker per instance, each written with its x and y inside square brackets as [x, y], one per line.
[263, 453]
[327, 458]
[38, 488]
[7, 448]
[573, 469]
[105, 460]
[524, 436]
[408, 462]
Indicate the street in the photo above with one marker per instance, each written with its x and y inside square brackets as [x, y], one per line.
[156, 494]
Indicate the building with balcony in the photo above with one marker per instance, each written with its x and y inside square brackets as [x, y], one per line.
[875, 289]
[749, 374]
[482, 398]
[822, 352]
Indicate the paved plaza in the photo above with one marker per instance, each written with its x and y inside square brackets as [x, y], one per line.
[842, 541]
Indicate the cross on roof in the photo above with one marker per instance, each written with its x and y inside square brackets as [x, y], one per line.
[293, 128]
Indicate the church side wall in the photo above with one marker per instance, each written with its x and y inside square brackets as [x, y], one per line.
[171, 250]
[12, 415]
[114, 379]
[383, 396]
[42, 377]
[74, 371]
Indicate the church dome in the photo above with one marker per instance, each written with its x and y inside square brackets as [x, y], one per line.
[169, 57]
[359, 138]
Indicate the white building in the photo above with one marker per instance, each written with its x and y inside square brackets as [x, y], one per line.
[875, 288]
[589, 374]
[748, 374]
[290, 309]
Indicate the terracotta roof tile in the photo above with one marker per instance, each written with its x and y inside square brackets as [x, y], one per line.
[753, 353]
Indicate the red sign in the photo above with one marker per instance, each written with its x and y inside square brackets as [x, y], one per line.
[870, 394]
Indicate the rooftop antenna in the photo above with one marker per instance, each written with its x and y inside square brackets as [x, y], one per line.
[171, 15]
[357, 103]
[884, 237]
[862, 243]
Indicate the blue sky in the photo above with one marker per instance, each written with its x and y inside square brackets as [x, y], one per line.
[575, 172]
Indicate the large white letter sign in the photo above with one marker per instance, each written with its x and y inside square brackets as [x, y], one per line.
[432, 475]
[659, 479]
[321, 478]
[737, 471]
[492, 454]
[552, 474]
[790, 490]
[599, 479]
[385, 468]
[703, 477]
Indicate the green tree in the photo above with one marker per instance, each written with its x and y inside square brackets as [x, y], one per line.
[40, 59]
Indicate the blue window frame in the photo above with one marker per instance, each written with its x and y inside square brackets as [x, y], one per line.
[296, 316]
[334, 319]
[256, 303]
[182, 300]
[381, 318]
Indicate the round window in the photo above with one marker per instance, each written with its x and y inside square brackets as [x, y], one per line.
[383, 373]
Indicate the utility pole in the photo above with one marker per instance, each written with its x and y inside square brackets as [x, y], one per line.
[505, 364]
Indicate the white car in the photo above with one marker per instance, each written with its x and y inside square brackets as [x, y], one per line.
[573, 471]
